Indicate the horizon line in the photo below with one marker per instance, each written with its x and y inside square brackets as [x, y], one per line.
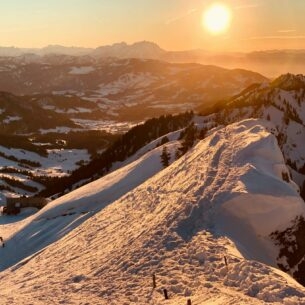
[152, 42]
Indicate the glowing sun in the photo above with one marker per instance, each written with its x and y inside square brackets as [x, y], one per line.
[217, 18]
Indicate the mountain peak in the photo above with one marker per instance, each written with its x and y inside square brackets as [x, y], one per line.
[289, 81]
[141, 49]
[145, 43]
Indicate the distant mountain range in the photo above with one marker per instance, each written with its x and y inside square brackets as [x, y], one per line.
[270, 62]
[142, 49]
[112, 88]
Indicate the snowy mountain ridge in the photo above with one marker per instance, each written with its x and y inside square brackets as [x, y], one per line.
[269, 63]
[179, 224]
[281, 102]
[290, 81]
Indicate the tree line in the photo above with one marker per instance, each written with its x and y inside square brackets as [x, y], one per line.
[124, 147]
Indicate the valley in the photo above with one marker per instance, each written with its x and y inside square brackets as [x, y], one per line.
[80, 105]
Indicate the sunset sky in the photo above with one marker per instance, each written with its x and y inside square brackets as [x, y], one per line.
[173, 24]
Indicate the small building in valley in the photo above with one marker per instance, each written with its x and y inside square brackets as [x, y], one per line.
[15, 204]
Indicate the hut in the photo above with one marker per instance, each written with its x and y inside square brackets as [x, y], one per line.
[15, 204]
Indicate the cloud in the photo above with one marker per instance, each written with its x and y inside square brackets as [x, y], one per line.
[181, 17]
[286, 31]
[191, 11]
[276, 37]
[245, 6]
[22, 29]
[240, 7]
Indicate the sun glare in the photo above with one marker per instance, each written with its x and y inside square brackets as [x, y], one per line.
[217, 18]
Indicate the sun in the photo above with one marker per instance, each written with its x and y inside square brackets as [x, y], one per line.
[217, 18]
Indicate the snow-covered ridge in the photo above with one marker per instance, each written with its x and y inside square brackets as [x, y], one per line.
[179, 225]
[282, 102]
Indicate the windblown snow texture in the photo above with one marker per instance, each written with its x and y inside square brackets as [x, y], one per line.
[218, 204]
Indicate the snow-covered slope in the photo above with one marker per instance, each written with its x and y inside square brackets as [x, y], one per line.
[67, 212]
[181, 225]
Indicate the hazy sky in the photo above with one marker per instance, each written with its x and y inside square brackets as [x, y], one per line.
[173, 24]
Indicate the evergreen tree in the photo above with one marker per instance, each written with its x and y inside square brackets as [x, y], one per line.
[177, 154]
[202, 133]
[165, 157]
[164, 140]
[188, 137]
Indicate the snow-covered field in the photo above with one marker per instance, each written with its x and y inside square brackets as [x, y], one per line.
[197, 225]
[112, 127]
[10, 119]
[82, 70]
[60, 129]
[58, 162]
[22, 166]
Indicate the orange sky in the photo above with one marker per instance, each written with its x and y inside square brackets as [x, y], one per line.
[173, 24]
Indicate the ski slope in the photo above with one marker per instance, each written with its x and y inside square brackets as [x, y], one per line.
[179, 224]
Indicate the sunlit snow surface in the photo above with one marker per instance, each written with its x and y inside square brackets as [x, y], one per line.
[179, 224]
